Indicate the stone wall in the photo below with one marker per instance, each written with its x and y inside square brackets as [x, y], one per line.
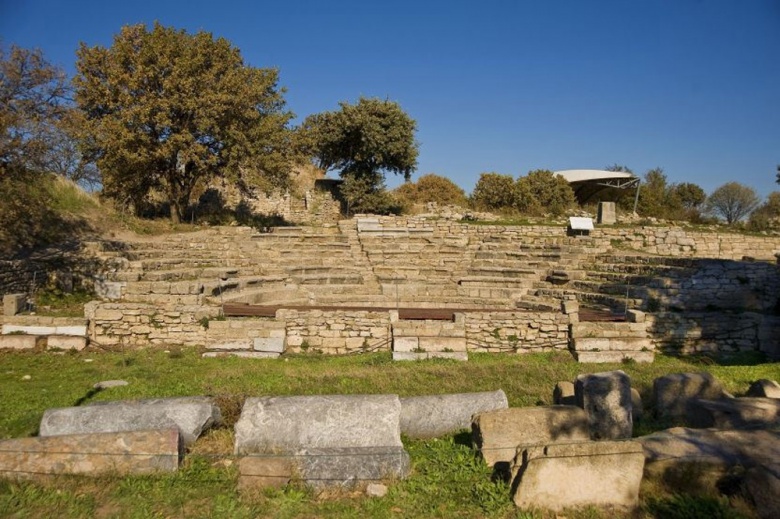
[336, 331]
[139, 324]
[18, 276]
[722, 332]
[316, 207]
[516, 331]
[677, 241]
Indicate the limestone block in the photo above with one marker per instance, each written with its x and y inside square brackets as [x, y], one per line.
[244, 344]
[192, 415]
[673, 393]
[242, 354]
[21, 342]
[262, 471]
[570, 307]
[606, 399]
[558, 476]
[497, 434]
[606, 213]
[763, 485]
[13, 303]
[405, 344]
[436, 415]
[71, 330]
[127, 452]
[733, 413]
[66, 342]
[29, 329]
[636, 316]
[105, 314]
[285, 424]
[679, 447]
[342, 466]
[637, 408]
[441, 344]
[270, 344]
[563, 394]
[764, 388]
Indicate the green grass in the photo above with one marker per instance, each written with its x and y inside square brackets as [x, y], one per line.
[447, 480]
[55, 303]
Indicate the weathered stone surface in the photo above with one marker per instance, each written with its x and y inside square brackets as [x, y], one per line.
[285, 424]
[733, 413]
[672, 393]
[261, 471]
[128, 452]
[21, 342]
[606, 213]
[637, 408]
[497, 434]
[322, 467]
[763, 485]
[66, 342]
[606, 399]
[563, 394]
[108, 384]
[242, 354]
[13, 303]
[435, 415]
[764, 388]
[681, 446]
[192, 416]
[451, 355]
[244, 344]
[376, 490]
[269, 344]
[558, 476]
[330, 439]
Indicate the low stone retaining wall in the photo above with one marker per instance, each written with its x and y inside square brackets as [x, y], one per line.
[724, 332]
[336, 331]
[495, 332]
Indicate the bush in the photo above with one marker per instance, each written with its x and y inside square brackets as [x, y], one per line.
[494, 191]
[541, 192]
[431, 188]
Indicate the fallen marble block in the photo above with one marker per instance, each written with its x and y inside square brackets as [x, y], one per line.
[191, 415]
[128, 452]
[558, 476]
[497, 434]
[327, 439]
[436, 415]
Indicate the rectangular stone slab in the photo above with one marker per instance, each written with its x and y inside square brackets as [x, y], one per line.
[191, 415]
[436, 415]
[558, 476]
[290, 423]
[497, 434]
[133, 452]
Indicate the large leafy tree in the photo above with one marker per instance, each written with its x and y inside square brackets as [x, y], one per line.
[371, 136]
[732, 201]
[166, 110]
[33, 102]
[364, 142]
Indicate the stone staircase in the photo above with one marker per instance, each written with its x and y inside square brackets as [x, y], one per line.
[620, 282]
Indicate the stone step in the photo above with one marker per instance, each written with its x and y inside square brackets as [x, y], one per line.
[613, 356]
[611, 344]
[455, 355]
[500, 272]
[490, 281]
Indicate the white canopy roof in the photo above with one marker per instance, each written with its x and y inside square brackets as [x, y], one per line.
[585, 175]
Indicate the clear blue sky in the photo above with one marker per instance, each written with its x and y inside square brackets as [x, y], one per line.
[692, 86]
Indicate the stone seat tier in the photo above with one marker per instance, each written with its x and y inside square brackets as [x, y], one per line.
[502, 272]
[615, 289]
[614, 302]
[495, 281]
[189, 273]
